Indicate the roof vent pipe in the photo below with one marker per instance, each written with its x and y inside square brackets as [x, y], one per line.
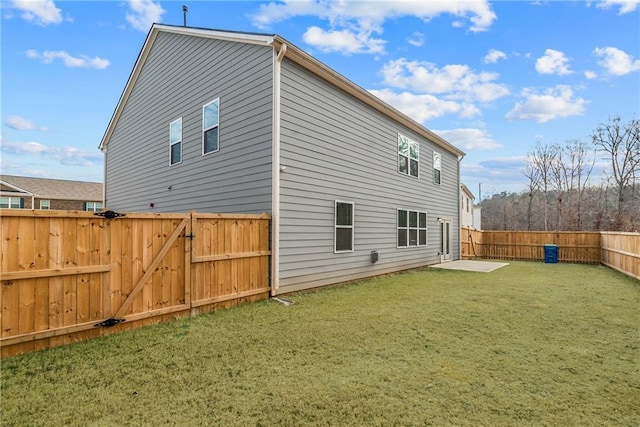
[185, 9]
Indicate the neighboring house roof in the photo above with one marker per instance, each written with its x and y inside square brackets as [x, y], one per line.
[467, 191]
[291, 52]
[53, 189]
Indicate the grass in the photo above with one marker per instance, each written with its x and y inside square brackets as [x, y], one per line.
[529, 344]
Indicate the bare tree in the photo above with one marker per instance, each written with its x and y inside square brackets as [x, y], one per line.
[621, 143]
[580, 170]
[560, 182]
[533, 175]
[542, 158]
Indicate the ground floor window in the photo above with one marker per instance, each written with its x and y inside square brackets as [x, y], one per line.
[45, 204]
[412, 228]
[11, 202]
[93, 206]
[343, 238]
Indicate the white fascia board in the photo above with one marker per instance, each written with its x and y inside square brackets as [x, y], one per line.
[133, 77]
[260, 39]
[16, 188]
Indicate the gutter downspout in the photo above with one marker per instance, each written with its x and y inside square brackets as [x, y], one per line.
[459, 209]
[104, 180]
[275, 174]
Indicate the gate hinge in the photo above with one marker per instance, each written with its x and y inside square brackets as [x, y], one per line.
[109, 214]
[109, 323]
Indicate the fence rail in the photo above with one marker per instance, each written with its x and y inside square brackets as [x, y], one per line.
[63, 272]
[620, 251]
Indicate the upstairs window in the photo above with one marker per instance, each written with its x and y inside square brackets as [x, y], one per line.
[408, 156]
[11, 203]
[175, 142]
[437, 164]
[412, 228]
[210, 127]
[45, 204]
[343, 238]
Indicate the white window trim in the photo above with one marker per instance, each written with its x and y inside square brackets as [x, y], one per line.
[205, 129]
[94, 206]
[171, 143]
[48, 204]
[436, 168]
[352, 226]
[426, 243]
[408, 157]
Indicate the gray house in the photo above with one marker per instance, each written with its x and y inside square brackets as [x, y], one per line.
[218, 121]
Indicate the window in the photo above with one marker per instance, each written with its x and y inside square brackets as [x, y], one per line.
[175, 142]
[436, 167]
[408, 156]
[12, 202]
[412, 228]
[210, 127]
[467, 204]
[343, 238]
[45, 204]
[93, 206]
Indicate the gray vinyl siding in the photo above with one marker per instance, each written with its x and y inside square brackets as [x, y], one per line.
[336, 148]
[182, 74]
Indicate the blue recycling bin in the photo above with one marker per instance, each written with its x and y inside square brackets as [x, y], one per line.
[551, 254]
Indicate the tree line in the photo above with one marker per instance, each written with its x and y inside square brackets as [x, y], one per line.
[560, 193]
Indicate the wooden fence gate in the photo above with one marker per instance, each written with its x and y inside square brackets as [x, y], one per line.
[68, 276]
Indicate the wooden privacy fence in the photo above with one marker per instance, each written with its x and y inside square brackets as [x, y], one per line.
[620, 251]
[64, 272]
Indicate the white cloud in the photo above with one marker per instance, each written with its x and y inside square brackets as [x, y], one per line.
[469, 139]
[372, 14]
[344, 41]
[553, 62]
[626, 6]
[496, 174]
[416, 39]
[554, 103]
[505, 163]
[20, 123]
[590, 74]
[82, 61]
[458, 82]
[41, 12]
[69, 156]
[360, 20]
[616, 61]
[422, 107]
[143, 13]
[494, 56]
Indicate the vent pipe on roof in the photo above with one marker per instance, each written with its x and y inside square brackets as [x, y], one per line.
[185, 9]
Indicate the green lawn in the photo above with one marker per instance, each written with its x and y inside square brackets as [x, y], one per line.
[529, 344]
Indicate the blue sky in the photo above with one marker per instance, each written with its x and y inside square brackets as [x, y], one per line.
[493, 78]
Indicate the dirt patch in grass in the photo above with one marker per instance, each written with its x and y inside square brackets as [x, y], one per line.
[529, 344]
